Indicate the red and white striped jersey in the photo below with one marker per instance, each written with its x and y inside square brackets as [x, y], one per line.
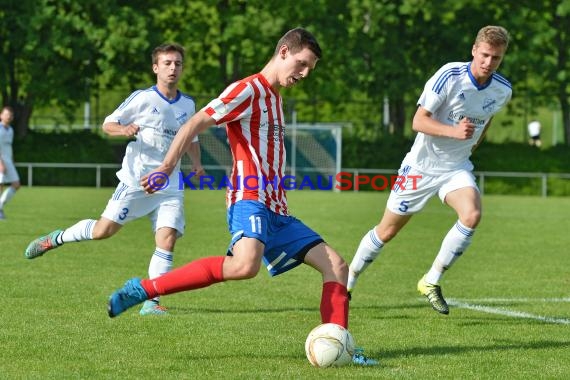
[253, 114]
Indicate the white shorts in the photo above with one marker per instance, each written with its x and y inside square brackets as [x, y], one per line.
[163, 210]
[409, 199]
[10, 175]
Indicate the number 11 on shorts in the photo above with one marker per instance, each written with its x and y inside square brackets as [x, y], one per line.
[255, 224]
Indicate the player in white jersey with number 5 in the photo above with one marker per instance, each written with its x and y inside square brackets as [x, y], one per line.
[454, 112]
[153, 116]
[8, 173]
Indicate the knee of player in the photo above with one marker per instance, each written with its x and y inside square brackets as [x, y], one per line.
[471, 219]
[338, 267]
[166, 241]
[245, 270]
[341, 267]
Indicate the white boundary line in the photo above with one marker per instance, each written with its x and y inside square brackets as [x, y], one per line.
[511, 313]
[507, 300]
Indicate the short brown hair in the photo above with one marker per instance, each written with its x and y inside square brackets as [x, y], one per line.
[493, 35]
[297, 39]
[166, 48]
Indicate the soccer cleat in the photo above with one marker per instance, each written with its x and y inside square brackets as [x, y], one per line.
[434, 296]
[152, 307]
[349, 294]
[129, 295]
[2, 216]
[359, 359]
[42, 244]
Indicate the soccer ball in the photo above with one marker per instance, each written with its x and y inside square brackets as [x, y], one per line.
[329, 345]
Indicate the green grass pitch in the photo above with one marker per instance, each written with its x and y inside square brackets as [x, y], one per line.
[510, 313]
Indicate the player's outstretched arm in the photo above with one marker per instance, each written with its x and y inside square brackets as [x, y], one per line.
[180, 145]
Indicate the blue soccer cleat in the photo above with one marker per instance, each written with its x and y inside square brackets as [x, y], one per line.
[152, 307]
[359, 359]
[129, 295]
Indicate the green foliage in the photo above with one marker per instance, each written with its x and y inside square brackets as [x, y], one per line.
[82, 146]
[558, 187]
[388, 151]
[57, 326]
[58, 54]
[76, 147]
[382, 152]
[521, 158]
[509, 157]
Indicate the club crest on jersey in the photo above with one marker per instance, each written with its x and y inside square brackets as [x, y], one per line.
[461, 96]
[181, 117]
[489, 105]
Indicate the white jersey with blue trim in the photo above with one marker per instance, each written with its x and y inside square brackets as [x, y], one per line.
[451, 94]
[6, 140]
[159, 120]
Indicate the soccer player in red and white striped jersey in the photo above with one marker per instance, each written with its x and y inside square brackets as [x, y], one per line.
[259, 223]
[252, 111]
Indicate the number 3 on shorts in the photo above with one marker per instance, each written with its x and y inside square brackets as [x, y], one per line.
[123, 214]
[404, 205]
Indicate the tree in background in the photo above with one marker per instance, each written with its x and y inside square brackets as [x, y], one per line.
[56, 54]
[547, 66]
[52, 52]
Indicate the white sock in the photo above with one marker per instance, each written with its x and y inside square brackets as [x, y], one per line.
[368, 250]
[160, 263]
[454, 244]
[82, 230]
[6, 196]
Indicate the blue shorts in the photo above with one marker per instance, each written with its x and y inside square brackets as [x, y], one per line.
[287, 240]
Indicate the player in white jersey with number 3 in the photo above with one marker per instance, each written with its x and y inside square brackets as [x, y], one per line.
[153, 116]
[454, 112]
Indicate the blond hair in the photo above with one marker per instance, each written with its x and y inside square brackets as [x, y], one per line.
[493, 35]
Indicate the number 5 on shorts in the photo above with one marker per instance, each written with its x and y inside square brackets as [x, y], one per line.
[404, 205]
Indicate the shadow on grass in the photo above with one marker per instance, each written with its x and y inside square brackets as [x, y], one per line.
[230, 310]
[443, 350]
[253, 309]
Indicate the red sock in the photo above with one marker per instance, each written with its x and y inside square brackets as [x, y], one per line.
[194, 275]
[334, 304]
